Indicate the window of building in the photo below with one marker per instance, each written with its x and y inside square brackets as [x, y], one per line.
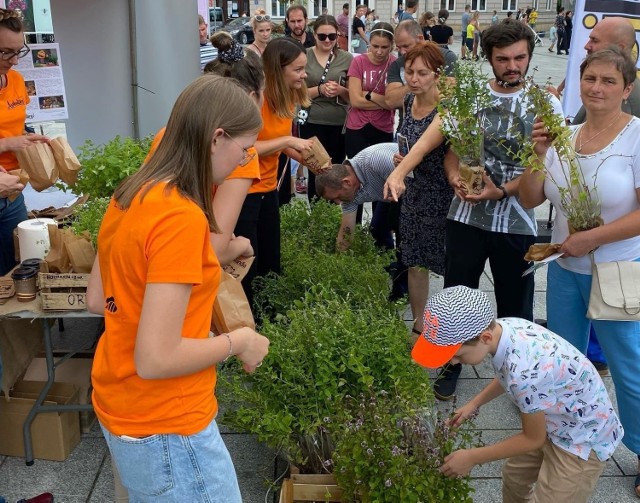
[450, 5]
[479, 5]
[279, 8]
[550, 5]
[314, 8]
[511, 5]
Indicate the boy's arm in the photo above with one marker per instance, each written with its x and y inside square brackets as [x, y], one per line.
[491, 391]
[532, 436]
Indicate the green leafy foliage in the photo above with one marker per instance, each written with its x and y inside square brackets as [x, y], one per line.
[309, 258]
[322, 349]
[390, 449]
[460, 108]
[89, 218]
[105, 166]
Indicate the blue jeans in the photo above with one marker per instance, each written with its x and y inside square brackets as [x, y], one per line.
[11, 214]
[175, 468]
[567, 302]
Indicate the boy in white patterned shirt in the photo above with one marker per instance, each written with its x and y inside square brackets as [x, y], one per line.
[569, 426]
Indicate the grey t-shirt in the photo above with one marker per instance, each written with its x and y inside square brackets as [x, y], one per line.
[466, 17]
[506, 120]
[326, 111]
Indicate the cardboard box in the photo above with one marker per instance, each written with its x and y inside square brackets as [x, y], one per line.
[75, 371]
[54, 434]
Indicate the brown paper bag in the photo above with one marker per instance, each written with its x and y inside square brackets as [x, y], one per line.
[317, 160]
[24, 179]
[57, 259]
[231, 308]
[80, 251]
[239, 267]
[66, 160]
[37, 160]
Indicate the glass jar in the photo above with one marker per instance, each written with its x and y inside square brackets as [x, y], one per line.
[24, 278]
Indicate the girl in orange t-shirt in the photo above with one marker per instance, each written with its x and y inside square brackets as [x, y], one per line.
[246, 68]
[284, 70]
[13, 112]
[154, 280]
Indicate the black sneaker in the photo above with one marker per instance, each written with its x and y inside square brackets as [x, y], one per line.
[444, 386]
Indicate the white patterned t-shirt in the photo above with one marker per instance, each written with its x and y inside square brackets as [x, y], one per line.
[540, 371]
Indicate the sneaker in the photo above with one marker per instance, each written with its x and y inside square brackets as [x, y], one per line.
[444, 386]
[602, 368]
[301, 185]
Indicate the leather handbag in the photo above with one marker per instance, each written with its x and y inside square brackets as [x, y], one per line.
[615, 291]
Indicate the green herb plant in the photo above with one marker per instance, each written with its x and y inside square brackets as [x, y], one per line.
[389, 449]
[88, 218]
[578, 199]
[461, 110]
[105, 166]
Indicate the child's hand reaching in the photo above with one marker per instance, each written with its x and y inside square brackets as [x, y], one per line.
[468, 410]
[458, 463]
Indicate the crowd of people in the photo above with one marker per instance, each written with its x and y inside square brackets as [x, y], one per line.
[214, 180]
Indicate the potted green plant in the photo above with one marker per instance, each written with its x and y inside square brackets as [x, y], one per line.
[333, 335]
[463, 98]
[578, 199]
[88, 218]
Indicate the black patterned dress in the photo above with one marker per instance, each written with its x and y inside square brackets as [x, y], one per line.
[426, 202]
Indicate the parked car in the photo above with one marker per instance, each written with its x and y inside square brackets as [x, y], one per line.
[240, 29]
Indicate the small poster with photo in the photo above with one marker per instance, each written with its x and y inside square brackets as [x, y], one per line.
[42, 73]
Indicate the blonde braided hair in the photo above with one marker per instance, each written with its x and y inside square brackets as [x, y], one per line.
[11, 19]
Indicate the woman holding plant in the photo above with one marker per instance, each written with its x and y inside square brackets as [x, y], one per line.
[591, 174]
[425, 205]
[154, 281]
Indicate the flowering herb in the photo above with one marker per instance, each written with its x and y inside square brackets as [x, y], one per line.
[463, 99]
[387, 449]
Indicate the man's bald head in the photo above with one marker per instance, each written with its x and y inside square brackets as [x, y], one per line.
[611, 31]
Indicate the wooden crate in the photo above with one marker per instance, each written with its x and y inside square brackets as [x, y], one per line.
[320, 488]
[63, 292]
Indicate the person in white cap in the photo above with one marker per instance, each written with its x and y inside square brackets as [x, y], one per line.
[569, 426]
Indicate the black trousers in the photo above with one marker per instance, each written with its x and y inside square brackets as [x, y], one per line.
[259, 221]
[467, 249]
[333, 142]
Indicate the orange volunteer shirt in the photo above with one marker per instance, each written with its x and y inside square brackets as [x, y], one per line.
[164, 239]
[251, 170]
[273, 127]
[13, 112]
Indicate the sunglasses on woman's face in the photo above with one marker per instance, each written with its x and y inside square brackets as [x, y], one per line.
[324, 36]
[263, 18]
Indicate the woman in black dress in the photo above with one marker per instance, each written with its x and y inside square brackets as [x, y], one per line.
[441, 33]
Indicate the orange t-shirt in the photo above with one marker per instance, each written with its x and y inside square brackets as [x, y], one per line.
[273, 127]
[164, 239]
[251, 170]
[13, 112]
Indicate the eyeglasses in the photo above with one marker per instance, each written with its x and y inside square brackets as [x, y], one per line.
[7, 55]
[247, 156]
[324, 36]
[261, 18]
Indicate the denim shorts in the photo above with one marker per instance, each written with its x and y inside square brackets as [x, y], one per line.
[175, 468]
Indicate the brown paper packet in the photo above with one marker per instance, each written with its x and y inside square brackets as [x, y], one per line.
[37, 160]
[66, 160]
[541, 251]
[317, 160]
[80, 251]
[231, 308]
[57, 259]
[24, 179]
[239, 267]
